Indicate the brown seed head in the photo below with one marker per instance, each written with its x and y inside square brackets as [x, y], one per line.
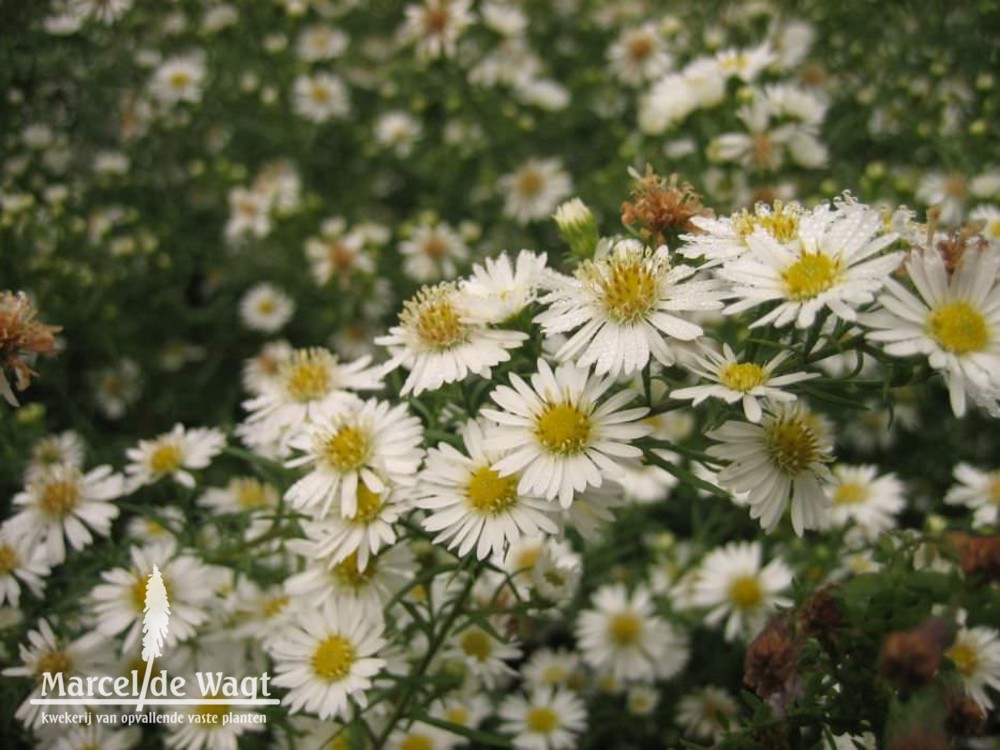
[911, 659]
[771, 661]
[660, 205]
[21, 335]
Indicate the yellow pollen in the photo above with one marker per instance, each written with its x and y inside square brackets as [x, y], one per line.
[252, 494]
[457, 715]
[435, 247]
[476, 643]
[348, 449]
[965, 658]
[563, 429]
[59, 497]
[530, 183]
[274, 606]
[55, 662]
[782, 224]
[266, 306]
[640, 47]
[166, 459]
[347, 574]
[527, 558]
[417, 742]
[625, 629]
[742, 377]
[369, 505]
[491, 494]
[307, 375]
[554, 674]
[850, 493]
[218, 710]
[320, 93]
[958, 328]
[179, 79]
[8, 560]
[334, 658]
[541, 719]
[629, 289]
[809, 276]
[433, 317]
[745, 592]
[792, 445]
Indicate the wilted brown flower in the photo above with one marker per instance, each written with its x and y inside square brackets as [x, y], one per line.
[978, 555]
[911, 658]
[919, 738]
[965, 717]
[771, 663]
[20, 336]
[660, 205]
[820, 617]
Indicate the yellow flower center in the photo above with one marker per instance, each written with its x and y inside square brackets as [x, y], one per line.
[252, 494]
[320, 93]
[266, 306]
[417, 742]
[435, 246]
[745, 592]
[138, 592]
[527, 558]
[491, 494]
[347, 574]
[964, 657]
[994, 488]
[435, 320]
[348, 449]
[166, 459]
[782, 224]
[640, 47]
[629, 289]
[541, 719]
[179, 79]
[850, 493]
[959, 328]
[54, 662]
[476, 643]
[274, 605]
[624, 629]
[333, 658]
[457, 715]
[530, 183]
[809, 276]
[742, 377]
[8, 560]
[307, 375]
[792, 444]
[369, 505]
[563, 429]
[217, 710]
[59, 497]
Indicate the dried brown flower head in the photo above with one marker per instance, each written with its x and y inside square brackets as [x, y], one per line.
[979, 556]
[965, 717]
[661, 205]
[820, 617]
[20, 336]
[911, 659]
[771, 663]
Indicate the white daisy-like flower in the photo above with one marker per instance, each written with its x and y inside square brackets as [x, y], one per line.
[483, 655]
[500, 288]
[371, 442]
[954, 322]
[211, 726]
[976, 655]
[780, 461]
[337, 252]
[553, 668]
[439, 341]
[44, 652]
[559, 434]
[638, 55]
[836, 264]
[533, 191]
[979, 491]
[421, 735]
[105, 11]
[98, 736]
[66, 504]
[621, 636]
[262, 370]
[623, 308]
[117, 387]
[948, 192]
[119, 601]
[362, 534]
[249, 215]
[746, 64]
[241, 495]
[861, 497]
[173, 454]
[320, 42]
[266, 308]
[307, 382]
[179, 79]
[435, 26]
[545, 719]
[320, 97]
[990, 218]
[327, 659]
[62, 449]
[21, 564]
[471, 506]
[735, 588]
[725, 238]
[398, 131]
[431, 253]
[707, 713]
[735, 381]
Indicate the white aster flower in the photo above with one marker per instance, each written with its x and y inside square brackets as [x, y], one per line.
[211, 726]
[870, 502]
[707, 713]
[338, 252]
[439, 341]
[836, 264]
[638, 55]
[435, 26]
[105, 11]
[241, 495]
[320, 97]
[431, 253]
[976, 655]
[534, 190]
[746, 64]
[547, 719]
[979, 491]
[371, 442]
[398, 131]
[553, 668]
[99, 736]
[249, 215]
[62, 449]
[328, 659]
[66, 504]
[622, 306]
[266, 308]
[320, 42]
[559, 434]
[363, 534]
[21, 564]
[735, 588]
[735, 381]
[499, 289]
[473, 507]
[723, 239]
[172, 454]
[483, 655]
[117, 387]
[179, 79]
[623, 637]
[780, 461]
[955, 321]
